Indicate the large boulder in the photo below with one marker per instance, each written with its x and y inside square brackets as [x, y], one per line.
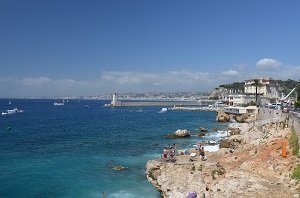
[223, 117]
[180, 133]
[245, 118]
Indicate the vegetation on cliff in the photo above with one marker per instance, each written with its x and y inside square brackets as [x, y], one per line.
[235, 86]
[296, 172]
[293, 141]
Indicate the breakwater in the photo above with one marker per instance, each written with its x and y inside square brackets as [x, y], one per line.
[196, 108]
[161, 103]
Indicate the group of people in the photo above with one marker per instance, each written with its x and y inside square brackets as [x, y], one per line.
[169, 153]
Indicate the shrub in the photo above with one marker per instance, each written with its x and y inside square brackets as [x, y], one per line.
[225, 144]
[200, 167]
[151, 174]
[293, 141]
[296, 172]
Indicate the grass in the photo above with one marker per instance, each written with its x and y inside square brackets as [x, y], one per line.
[219, 171]
[293, 141]
[200, 168]
[296, 172]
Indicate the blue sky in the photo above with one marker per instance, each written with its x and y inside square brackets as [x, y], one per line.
[70, 48]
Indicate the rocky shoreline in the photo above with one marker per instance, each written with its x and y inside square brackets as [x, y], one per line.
[253, 167]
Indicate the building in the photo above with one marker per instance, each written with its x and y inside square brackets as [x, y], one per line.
[267, 88]
[241, 110]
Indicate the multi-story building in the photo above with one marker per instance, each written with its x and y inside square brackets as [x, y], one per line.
[267, 87]
[267, 91]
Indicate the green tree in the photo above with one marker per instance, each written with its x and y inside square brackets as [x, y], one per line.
[297, 91]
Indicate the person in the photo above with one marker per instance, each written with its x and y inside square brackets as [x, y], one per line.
[174, 148]
[206, 194]
[202, 153]
[165, 154]
[171, 154]
[199, 146]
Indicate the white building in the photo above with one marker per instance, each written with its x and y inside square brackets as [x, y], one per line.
[267, 88]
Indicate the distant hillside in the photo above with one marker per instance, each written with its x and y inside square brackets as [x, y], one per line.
[287, 85]
[284, 86]
[234, 86]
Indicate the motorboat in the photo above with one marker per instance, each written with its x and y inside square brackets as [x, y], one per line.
[12, 111]
[58, 103]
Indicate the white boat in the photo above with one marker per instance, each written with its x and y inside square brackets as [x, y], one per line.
[12, 111]
[163, 110]
[59, 103]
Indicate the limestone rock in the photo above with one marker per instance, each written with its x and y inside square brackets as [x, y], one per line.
[180, 133]
[222, 117]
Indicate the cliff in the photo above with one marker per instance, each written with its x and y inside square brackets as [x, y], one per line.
[255, 168]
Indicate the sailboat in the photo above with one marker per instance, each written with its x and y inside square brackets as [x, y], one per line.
[9, 102]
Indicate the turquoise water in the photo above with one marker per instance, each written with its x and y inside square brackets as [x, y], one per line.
[69, 151]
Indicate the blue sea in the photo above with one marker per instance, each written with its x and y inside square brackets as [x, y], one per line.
[69, 151]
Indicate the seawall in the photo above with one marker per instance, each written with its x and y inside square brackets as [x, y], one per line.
[270, 115]
[294, 120]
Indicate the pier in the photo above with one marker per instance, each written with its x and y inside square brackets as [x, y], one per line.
[161, 103]
[116, 103]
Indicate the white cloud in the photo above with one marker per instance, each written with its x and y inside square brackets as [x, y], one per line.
[230, 73]
[35, 81]
[126, 81]
[268, 64]
[157, 79]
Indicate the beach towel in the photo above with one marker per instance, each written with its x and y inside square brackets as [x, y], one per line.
[193, 154]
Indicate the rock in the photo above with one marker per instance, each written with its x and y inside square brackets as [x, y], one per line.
[202, 129]
[222, 117]
[226, 144]
[201, 134]
[234, 130]
[180, 133]
[119, 168]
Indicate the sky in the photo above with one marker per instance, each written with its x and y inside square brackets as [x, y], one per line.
[96, 47]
